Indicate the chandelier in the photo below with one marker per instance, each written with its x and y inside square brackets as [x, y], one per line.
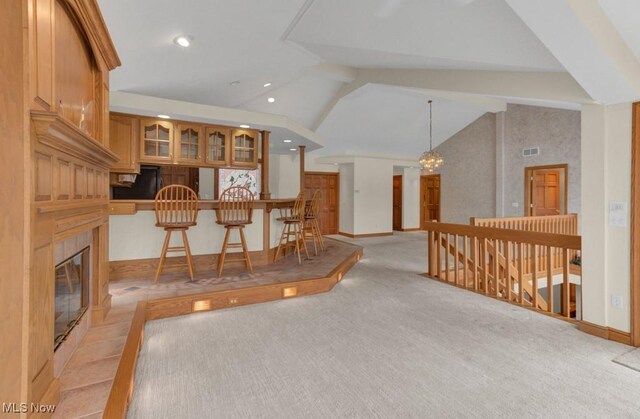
[431, 160]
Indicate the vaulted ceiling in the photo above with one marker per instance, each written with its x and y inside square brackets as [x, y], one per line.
[359, 72]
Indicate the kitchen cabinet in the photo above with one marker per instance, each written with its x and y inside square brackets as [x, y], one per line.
[123, 141]
[244, 148]
[156, 141]
[188, 144]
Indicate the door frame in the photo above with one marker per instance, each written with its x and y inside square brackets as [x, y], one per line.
[527, 185]
[635, 230]
[401, 204]
[337, 175]
[421, 201]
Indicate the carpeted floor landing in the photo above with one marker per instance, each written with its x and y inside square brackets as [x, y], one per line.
[385, 343]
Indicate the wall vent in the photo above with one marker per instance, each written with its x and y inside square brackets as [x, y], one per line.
[528, 152]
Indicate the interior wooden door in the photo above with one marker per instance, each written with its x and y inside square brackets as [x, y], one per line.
[429, 199]
[397, 202]
[546, 193]
[327, 184]
[546, 190]
[177, 175]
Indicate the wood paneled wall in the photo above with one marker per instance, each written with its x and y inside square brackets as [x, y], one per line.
[53, 175]
[13, 192]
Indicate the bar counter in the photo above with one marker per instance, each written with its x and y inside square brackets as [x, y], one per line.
[133, 234]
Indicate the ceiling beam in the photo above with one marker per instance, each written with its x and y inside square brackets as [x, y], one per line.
[551, 86]
[487, 103]
[344, 91]
[582, 37]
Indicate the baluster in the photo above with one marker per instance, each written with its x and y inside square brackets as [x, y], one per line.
[446, 257]
[456, 265]
[439, 255]
[566, 304]
[496, 268]
[485, 267]
[465, 264]
[549, 282]
[430, 253]
[507, 270]
[534, 277]
[475, 256]
[521, 253]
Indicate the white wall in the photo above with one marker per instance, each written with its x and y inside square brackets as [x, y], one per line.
[284, 177]
[410, 198]
[606, 174]
[137, 237]
[373, 196]
[346, 198]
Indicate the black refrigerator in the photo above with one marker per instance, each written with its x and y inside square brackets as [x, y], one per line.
[146, 186]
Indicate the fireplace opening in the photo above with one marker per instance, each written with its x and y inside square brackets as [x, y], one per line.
[71, 294]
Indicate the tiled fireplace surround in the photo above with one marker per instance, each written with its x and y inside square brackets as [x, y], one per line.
[62, 251]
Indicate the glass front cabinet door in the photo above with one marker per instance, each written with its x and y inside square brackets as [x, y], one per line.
[156, 141]
[245, 148]
[217, 146]
[188, 144]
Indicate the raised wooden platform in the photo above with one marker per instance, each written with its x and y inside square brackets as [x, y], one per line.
[112, 348]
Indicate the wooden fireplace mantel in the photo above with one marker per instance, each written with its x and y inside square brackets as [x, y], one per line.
[60, 134]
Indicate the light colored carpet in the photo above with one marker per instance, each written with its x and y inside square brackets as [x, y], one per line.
[385, 343]
[630, 359]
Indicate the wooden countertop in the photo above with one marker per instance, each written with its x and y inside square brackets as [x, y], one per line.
[131, 206]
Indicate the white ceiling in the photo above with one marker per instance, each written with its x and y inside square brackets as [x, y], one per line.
[625, 15]
[287, 43]
[483, 34]
[399, 129]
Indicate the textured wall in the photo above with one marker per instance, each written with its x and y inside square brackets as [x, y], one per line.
[557, 133]
[468, 178]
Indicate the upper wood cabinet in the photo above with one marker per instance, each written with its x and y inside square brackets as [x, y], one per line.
[156, 141]
[137, 140]
[244, 148]
[123, 141]
[188, 143]
[217, 146]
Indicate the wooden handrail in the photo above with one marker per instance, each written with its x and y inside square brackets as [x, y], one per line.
[527, 237]
[557, 224]
[504, 263]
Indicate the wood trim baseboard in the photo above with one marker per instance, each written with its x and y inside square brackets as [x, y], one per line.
[122, 387]
[603, 332]
[364, 236]
[411, 229]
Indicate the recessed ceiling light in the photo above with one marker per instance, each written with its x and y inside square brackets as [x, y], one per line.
[183, 40]
[164, 116]
[286, 141]
[234, 83]
[244, 126]
[267, 84]
[271, 99]
[292, 149]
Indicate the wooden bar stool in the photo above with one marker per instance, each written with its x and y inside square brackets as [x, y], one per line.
[176, 209]
[293, 226]
[234, 212]
[311, 228]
